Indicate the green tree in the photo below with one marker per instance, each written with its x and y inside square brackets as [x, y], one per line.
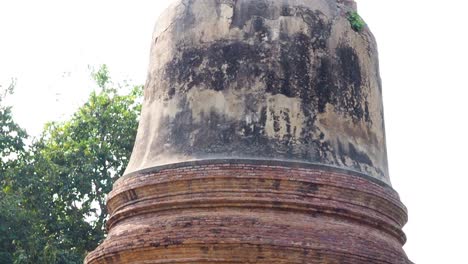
[12, 136]
[12, 151]
[69, 170]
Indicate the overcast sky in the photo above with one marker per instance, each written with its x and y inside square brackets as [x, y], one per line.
[47, 45]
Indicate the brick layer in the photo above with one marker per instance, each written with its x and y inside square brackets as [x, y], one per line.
[252, 212]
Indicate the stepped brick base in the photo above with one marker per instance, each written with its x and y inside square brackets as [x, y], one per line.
[246, 211]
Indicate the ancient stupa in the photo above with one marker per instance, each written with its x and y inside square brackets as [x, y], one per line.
[261, 140]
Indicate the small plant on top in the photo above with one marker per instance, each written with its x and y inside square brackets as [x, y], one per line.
[357, 23]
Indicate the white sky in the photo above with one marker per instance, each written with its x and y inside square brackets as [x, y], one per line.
[47, 45]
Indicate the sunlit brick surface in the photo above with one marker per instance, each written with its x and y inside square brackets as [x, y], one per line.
[252, 212]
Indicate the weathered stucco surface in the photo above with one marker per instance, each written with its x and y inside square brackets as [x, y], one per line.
[262, 79]
[261, 141]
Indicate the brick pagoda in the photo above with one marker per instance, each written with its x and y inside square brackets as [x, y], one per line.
[261, 140]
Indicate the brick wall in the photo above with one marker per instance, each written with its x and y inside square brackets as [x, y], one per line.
[252, 212]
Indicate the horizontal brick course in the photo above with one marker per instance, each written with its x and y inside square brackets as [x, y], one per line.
[250, 212]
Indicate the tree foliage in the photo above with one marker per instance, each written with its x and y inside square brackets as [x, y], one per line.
[12, 136]
[12, 149]
[62, 181]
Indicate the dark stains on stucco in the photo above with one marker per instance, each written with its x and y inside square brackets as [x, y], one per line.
[349, 83]
[225, 64]
[299, 65]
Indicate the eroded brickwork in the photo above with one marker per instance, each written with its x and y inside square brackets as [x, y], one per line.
[252, 212]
